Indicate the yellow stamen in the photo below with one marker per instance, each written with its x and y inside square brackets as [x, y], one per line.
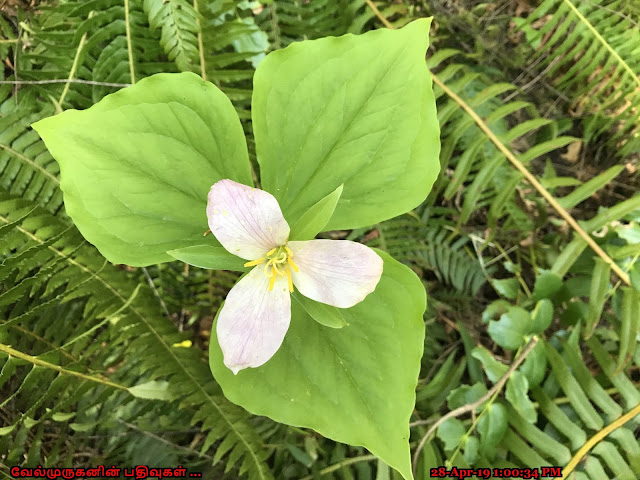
[276, 269]
[289, 278]
[278, 263]
[253, 263]
[293, 265]
[266, 268]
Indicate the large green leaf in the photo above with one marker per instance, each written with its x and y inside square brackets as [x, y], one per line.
[355, 384]
[136, 167]
[353, 110]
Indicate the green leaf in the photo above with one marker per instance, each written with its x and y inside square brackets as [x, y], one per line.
[542, 316]
[589, 188]
[629, 326]
[547, 285]
[356, 384]
[506, 287]
[509, 331]
[451, 432]
[209, 256]
[516, 394]
[465, 394]
[634, 275]
[494, 310]
[492, 426]
[555, 182]
[324, 314]
[370, 124]
[599, 288]
[316, 218]
[137, 166]
[492, 367]
[535, 365]
[153, 390]
[300, 455]
[7, 430]
[382, 471]
[82, 427]
[440, 380]
[62, 417]
[471, 448]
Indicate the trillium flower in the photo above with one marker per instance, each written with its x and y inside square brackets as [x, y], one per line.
[255, 317]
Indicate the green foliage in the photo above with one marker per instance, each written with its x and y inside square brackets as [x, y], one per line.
[590, 50]
[307, 147]
[104, 175]
[364, 393]
[315, 219]
[288, 20]
[64, 305]
[179, 24]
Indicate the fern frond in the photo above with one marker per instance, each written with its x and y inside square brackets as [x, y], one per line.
[572, 404]
[101, 57]
[26, 167]
[472, 167]
[62, 304]
[287, 20]
[178, 22]
[426, 246]
[593, 57]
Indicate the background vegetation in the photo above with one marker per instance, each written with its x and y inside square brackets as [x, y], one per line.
[549, 87]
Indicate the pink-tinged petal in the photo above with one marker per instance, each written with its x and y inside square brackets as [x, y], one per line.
[247, 221]
[253, 320]
[336, 272]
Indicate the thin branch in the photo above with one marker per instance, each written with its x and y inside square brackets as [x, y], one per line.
[127, 25]
[531, 83]
[566, 216]
[74, 66]
[41, 363]
[427, 421]
[30, 162]
[378, 13]
[606, 45]
[158, 438]
[470, 407]
[155, 292]
[16, 49]
[60, 80]
[203, 67]
[274, 25]
[614, 12]
[566, 471]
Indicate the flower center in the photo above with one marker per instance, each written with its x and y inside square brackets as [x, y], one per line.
[278, 261]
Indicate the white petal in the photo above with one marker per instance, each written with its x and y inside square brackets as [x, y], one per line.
[247, 221]
[253, 320]
[336, 272]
